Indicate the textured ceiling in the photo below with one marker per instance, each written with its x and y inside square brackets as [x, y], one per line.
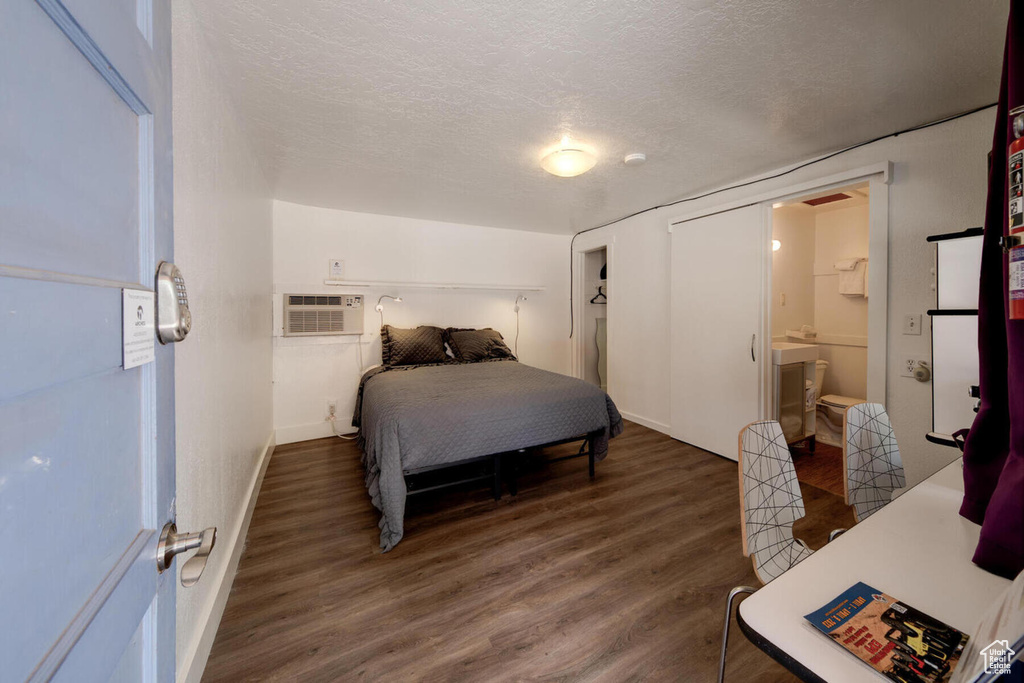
[440, 108]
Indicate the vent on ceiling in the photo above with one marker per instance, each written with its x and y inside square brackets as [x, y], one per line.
[827, 199]
[307, 315]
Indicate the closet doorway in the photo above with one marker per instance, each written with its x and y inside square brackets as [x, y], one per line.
[717, 326]
[591, 282]
[595, 317]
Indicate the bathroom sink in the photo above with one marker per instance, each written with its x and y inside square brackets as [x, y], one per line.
[784, 353]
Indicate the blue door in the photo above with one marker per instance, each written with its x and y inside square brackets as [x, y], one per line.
[86, 446]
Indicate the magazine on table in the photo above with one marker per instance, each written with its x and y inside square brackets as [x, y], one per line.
[890, 636]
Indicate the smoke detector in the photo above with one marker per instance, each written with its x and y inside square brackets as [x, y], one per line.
[635, 159]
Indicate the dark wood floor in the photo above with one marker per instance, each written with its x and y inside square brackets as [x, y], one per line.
[618, 579]
[822, 468]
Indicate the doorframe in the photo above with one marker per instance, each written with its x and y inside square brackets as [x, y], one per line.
[878, 177]
[576, 350]
[767, 376]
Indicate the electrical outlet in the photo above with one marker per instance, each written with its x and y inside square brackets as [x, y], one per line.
[907, 366]
[912, 324]
[332, 408]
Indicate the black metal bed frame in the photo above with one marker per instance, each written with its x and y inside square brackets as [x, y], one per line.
[503, 467]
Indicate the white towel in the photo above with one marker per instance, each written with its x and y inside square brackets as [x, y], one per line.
[854, 282]
[847, 263]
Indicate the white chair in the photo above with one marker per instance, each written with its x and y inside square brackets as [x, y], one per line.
[871, 458]
[770, 501]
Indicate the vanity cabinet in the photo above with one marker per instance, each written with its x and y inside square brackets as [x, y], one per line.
[795, 401]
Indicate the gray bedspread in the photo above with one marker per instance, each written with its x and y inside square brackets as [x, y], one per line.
[438, 414]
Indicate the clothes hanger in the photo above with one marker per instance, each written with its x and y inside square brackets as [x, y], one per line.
[600, 295]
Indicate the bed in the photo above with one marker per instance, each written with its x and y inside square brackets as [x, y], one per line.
[414, 418]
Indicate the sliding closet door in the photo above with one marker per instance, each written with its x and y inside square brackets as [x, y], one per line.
[717, 322]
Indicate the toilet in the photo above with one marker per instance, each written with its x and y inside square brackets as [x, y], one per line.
[831, 410]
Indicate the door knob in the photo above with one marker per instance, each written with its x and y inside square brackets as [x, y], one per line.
[171, 543]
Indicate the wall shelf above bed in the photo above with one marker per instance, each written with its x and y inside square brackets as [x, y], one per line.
[435, 285]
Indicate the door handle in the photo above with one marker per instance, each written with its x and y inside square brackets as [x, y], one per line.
[753, 338]
[172, 543]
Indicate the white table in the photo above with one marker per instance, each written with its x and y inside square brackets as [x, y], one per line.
[917, 549]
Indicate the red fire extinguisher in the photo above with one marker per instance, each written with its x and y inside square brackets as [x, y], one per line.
[1015, 165]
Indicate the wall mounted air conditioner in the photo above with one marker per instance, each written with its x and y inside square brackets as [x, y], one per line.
[307, 315]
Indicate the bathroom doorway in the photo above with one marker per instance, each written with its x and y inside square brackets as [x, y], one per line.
[819, 312]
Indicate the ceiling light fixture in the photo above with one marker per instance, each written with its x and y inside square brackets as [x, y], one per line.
[569, 158]
[776, 245]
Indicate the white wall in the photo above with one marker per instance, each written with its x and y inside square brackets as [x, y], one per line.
[813, 239]
[310, 370]
[842, 321]
[792, 269]
[222, 243]
[638, 315]
[938, 185]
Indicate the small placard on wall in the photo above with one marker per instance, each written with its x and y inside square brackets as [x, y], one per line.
[137, 316]
[337, 268]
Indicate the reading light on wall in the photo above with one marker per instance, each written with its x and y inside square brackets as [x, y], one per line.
[568, 159]
[515, 309]
[776, 245]
[380, 307]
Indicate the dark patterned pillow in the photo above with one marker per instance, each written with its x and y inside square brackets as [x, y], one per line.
[474, 345]
[425, 344]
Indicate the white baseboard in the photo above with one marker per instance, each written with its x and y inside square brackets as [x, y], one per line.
[317, 430]
[650, 424]
[194, 663]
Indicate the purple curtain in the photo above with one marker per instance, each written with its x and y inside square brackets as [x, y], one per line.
[994, 450]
